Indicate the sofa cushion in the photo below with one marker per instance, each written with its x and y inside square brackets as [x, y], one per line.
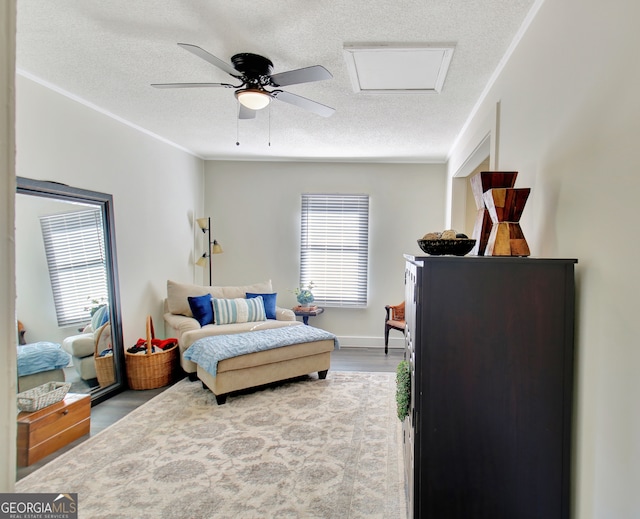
[269, 303]
[177, 294]
[262, 358]
[81, 345]
[85, 367]
[238, 310]
[37, 379]
[201, 308]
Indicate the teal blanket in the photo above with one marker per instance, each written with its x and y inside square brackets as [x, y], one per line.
[41, 356]
[208, 351]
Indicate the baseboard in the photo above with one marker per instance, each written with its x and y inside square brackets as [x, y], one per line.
[352, 341]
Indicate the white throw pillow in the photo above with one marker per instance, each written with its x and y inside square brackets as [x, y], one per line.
[229, 311]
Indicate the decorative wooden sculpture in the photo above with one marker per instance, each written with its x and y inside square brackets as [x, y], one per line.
[480, 183]
[505, 206]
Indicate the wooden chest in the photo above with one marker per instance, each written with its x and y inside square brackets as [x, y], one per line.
[45, 431]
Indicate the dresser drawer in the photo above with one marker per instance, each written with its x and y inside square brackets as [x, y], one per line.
[42, 432]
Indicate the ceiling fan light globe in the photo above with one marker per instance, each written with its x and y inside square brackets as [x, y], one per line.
[253, 99]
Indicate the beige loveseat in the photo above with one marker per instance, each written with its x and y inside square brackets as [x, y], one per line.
[244, 371]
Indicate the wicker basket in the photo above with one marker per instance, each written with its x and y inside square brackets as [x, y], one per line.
[151, 370]
[42, 396]
[105, 366]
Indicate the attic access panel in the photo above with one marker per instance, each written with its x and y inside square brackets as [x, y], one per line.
[379, 69]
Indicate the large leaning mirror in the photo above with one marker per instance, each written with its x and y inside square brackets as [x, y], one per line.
[68, 302]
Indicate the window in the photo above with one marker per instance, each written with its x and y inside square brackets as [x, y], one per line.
[334, 248]
[74, 245]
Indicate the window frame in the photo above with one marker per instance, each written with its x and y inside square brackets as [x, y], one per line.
[76, 260]
[344, 234]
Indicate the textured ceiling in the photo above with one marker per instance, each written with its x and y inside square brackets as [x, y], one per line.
[107, 53]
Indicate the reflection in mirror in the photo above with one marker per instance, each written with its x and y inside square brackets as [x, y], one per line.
[67, 290]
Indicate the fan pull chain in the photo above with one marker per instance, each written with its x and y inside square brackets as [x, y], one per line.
[269, 124]
[238, 126]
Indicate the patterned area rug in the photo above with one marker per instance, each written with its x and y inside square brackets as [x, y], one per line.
[304, 449]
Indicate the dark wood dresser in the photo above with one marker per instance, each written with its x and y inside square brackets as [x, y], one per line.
[45, 431]
[490, 346]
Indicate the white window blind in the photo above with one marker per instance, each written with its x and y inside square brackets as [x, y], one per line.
[334, 251]
[74, 246]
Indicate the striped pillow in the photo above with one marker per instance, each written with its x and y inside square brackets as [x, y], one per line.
[229, 311]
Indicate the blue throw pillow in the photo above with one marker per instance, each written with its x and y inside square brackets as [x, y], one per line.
[202, 309]
[269, 303]
[99, 317]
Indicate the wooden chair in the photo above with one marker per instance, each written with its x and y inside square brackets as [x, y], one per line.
[21, 332]
[395, 320]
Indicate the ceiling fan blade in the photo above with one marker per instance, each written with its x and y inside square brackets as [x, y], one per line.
[246, 113]
[201, 53]
[301, 75]
[303, 102]
[191, 85]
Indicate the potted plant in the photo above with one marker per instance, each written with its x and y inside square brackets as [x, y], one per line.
[95, 304]
[304, 294]
[403, 389]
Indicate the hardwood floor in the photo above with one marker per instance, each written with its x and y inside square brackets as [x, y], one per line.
[366, 359]
[110, 411]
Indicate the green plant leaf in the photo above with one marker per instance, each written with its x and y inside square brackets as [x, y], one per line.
[403, 389]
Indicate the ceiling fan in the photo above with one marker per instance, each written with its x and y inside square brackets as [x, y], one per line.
[254, 72]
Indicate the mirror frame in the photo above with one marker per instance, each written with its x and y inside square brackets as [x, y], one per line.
[47, 189]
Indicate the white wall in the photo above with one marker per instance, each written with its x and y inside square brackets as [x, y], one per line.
[156, 191]
[569, 123]
[255, 210]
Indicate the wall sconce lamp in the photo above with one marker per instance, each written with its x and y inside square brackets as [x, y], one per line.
[214, 246]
